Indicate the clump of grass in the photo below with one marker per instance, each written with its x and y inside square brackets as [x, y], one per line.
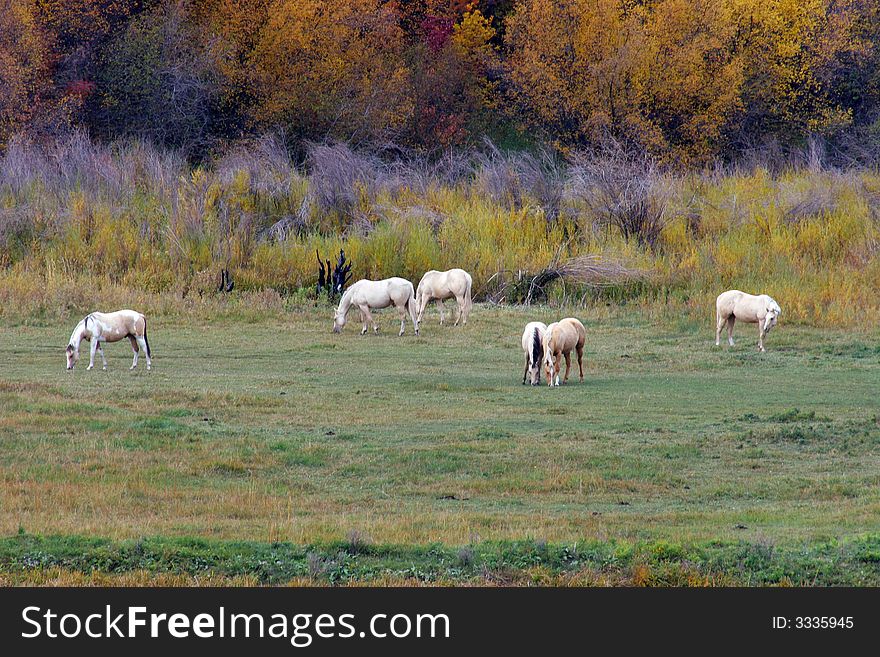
[465, 556]
[356, 542]
[793, 415]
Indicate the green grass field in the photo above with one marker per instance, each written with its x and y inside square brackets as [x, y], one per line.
[282, 432]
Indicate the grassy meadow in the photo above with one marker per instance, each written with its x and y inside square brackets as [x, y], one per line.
[407, 459]
[264, 449]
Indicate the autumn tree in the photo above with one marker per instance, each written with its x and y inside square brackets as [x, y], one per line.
[25, 66]
[157, 82]
[655, 73]
[852, 77]
[79, 29]
[331, 69]
[231, 30]
[788, 46]
[453, 61]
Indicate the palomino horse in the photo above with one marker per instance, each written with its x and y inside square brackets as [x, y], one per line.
[367, 294]
[533, 346]
[109, 327]
[733, 305]
[559, 339]
[442, 285]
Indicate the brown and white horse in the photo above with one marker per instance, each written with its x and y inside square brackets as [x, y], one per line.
[98, 328]
[559, 340]
[533, 346]
[367, 294]
[442, 285]
[735, 305]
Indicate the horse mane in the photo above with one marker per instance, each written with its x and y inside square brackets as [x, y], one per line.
[537, 347]
[345, 298]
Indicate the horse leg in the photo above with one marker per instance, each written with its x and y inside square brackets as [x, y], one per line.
[719, 325]
[103, 360]
[440, 307]
[580, 354]
[761, 336]
[401, 312]
[142, 342]
[557, 365]
[730, 322]
[134, 348]
[526, 370]
[93, 347]
[567, 365]
[368, 317]
[421, 305]
[461, 305]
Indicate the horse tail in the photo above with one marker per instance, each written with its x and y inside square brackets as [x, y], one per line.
[146, 340]
[537, 348]
[467, 294]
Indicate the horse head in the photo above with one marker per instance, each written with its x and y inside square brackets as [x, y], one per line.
[338, 321]
[773, 311]
[72, 354]
[549, 366]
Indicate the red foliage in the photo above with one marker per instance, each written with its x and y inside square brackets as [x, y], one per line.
[81, 88]
[437, 30]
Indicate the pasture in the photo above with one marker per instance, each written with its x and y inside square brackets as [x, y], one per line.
[279, 432]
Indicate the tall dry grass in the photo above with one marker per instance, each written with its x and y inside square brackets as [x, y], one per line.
[86, 225]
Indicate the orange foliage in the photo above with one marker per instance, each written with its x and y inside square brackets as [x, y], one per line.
[331, 68]
[25, 66]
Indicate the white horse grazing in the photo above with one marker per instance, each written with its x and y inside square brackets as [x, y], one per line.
[442, 285]
[559, 340]
[109, 327]
[533, 346]
[367, 294]
[733, 305]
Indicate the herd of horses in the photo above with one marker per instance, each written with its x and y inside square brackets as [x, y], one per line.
[545, 346]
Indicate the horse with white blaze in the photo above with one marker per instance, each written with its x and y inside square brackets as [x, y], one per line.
[442, 285]
[533, 346]
[98, 328]
[733, 305]
[367, 295]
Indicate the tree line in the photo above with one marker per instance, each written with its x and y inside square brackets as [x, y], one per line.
[686, 80]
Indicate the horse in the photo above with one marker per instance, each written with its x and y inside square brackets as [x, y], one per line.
[98, 328]
[533, 346]
[733, 305]
[367, 294]
[442, 285]
[559, 339]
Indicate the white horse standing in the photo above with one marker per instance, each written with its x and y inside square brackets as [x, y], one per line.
[442, 285]
[367, 294]
[533, 346]
[733, 305]
[98, 328]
